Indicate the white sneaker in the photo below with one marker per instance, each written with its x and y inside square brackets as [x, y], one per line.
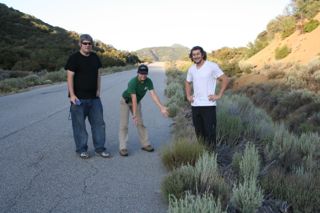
[104, 154]
[84, 155]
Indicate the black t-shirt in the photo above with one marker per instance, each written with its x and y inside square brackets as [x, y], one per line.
[85, 70]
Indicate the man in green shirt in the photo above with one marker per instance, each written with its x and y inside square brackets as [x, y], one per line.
[130, 102]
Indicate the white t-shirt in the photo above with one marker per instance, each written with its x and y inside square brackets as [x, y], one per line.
[204, 82]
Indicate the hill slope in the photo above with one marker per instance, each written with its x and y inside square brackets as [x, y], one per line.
[174, 52]
[304, 48]
[27, 43]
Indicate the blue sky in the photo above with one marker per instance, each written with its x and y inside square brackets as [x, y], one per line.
[135, 24]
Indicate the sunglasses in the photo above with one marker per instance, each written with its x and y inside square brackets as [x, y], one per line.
[86, 43]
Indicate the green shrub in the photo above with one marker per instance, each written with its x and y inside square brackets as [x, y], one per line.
[311, 25]
[236, 159]
[18, 74]
[56, 76]
[12, 85]
[316, 76]
[245, 67]
[282, 52]
[296, 108]
[178, 182]
[294, 152]
[295, 82]
[283, 147]
[175, 103]
[203, 178]
[250, 163]
[306, 9]
[301, 191]
[172, 89]
[230, 129]
[276, 74]
[288, 26]
[304, 77]
[309, 146]
[183, 65]
[288, 32]
[32, 80]
[183, 127]
[241, 119]
[247, 197]
[257, 125]
[313, 66]
[194, 204]
[178, 98]
[206, 169]
[173, 109]
[181, 152]
[208, 178]
[175, 75]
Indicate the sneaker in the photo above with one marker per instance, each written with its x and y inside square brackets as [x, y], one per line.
[123, 152]
[104, 154]
[148, 148]
[84, 155]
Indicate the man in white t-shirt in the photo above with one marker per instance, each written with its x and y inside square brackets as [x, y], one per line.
[203, 75]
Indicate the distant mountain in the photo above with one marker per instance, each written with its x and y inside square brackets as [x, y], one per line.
[27, 43]
[174, 52]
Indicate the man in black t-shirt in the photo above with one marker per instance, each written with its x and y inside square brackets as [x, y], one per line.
[84, 79]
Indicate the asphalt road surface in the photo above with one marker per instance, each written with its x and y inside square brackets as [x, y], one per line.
[40, 171]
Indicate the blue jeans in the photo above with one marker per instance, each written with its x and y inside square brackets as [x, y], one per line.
[91, 108]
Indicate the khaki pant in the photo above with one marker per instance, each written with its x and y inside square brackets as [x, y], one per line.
[124, 121]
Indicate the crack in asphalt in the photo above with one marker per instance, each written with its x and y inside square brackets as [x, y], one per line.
[28, 186]
[56, 204]
[91, 175]
[32, 123]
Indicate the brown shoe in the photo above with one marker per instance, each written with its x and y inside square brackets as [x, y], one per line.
[123, 152]
[148, 148]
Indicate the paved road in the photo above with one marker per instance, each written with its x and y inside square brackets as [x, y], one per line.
[40, 171]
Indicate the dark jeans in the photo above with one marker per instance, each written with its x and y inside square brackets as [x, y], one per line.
[204, 121]
[91, 108]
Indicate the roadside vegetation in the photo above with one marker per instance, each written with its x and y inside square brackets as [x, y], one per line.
[282, 52]
[15, 81]
[291, 95]
[258, 166]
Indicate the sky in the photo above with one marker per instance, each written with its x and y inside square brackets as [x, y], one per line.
[134, 24]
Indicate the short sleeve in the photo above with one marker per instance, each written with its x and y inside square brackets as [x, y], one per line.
[99, 62]
[189, 76]
[131, 87]
[71, 64]
[217, 71]
[150, 85]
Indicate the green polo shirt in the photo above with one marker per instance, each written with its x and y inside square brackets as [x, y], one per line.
[137, 87]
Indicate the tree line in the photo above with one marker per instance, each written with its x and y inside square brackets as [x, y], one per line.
[29, 44]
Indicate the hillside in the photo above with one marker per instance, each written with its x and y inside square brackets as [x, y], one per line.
[305, 47]
[174, 52]
[27, 43]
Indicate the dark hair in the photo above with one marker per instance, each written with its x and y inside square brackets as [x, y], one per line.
[203, 53]
[86, 37]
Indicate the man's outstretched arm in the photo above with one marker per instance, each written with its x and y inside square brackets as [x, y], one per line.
[156, 100]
